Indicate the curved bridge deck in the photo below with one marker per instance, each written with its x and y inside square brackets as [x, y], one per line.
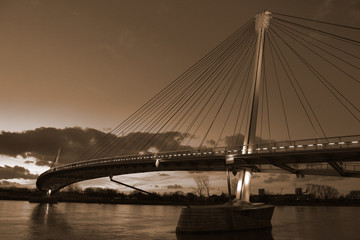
[307, 157]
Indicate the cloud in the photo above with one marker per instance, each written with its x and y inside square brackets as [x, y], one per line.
[43, 143]
[5, 183]
[278, 178]
[175, 186]
[15, 172]
[163, 175]
[195, 172]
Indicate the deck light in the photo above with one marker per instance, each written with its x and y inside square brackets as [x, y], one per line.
[229, 159]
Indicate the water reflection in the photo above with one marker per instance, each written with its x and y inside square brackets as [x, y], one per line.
[245, 235]
[46, 222]
[23, 220]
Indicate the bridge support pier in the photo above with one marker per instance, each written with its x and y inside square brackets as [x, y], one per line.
[236, 215]
[243, 186]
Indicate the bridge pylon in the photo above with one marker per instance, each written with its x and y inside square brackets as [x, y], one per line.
[262, 21]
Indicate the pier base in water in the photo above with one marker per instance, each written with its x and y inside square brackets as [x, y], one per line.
[45, 199]
[232, 216]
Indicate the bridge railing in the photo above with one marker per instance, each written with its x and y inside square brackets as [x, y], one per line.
[310, 144]
[272, 147]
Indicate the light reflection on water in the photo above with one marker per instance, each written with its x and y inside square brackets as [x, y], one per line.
[23, 220]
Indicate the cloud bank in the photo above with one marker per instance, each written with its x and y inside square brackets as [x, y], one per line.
[43, 143]
[8, 172]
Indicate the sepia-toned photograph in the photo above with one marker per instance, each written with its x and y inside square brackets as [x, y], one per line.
[179, 119]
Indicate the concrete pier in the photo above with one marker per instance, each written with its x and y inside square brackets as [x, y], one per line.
[227, 217]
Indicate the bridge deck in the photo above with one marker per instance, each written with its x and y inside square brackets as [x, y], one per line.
[338, 159]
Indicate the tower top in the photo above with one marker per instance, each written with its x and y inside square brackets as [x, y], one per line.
[262, 20]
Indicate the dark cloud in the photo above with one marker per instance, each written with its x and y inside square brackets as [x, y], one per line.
[278, 178]
[195, 172]
[28, 161]
[15, 172]
[163, 175]
[175, 186]
[136, 142]
[5, 183]
[312, 178]
[43, 143]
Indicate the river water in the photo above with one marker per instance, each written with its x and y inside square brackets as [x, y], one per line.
[23, 220]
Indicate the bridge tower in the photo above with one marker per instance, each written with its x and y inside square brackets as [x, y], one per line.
[262, 21]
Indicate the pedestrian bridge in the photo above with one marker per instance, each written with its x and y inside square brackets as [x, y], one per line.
[276, 77]
[338, 156]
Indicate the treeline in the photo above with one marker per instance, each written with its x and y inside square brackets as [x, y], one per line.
[313, 195]
[136, 197]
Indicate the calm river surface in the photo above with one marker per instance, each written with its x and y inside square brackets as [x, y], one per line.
[23, 220]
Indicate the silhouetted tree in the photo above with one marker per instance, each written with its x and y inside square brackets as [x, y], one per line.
[322, 191]
[354, 194]
[202, 185]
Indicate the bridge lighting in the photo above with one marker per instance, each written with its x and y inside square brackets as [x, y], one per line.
[300, 146]
[282, 147]
[341, 143]
[49, 192]
[229, 159]
[331, 143]
[247, 178]
[239, 188]
[292, 146]
[319, 144]
[310, 145]
[354, 142]
[157, 162]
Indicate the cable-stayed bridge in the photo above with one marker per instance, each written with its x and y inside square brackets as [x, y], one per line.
[279, 94]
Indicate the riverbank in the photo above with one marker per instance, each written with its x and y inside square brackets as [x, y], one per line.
[176, 198]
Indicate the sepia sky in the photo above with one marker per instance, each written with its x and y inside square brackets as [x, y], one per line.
[91, 63]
